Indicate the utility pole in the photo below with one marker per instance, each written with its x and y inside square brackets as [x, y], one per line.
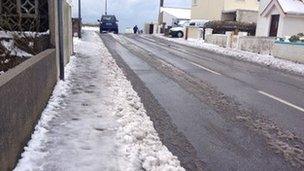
[159, 23]
[106, 7]
[80, 19]
[161, 3]
[61, 39]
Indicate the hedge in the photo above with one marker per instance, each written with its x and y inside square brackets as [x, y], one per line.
[220, 27]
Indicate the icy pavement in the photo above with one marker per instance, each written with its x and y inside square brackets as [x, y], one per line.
[95, 120]
[267, 60]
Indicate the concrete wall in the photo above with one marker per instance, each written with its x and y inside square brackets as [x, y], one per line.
[194, 33]
[54, 35]
[293, 52]
[68, 32]
[217, 39]
[247, 16]
[24, 92]
[261, 45]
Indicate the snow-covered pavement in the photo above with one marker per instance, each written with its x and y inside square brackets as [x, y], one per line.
[95, 120]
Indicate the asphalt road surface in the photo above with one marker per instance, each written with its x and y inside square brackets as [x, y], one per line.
[213, 111]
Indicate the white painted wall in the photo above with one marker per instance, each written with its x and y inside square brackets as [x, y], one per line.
[263, 24]
[293, 25]
[168, 19]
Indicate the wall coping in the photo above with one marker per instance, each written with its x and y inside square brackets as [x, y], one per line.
[290, 43]
[258, 37]
[12, 73]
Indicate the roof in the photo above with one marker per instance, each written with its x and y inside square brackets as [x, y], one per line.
[70, 2]
[293, 7]
[180, 13]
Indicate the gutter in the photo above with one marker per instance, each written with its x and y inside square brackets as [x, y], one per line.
[61, 39]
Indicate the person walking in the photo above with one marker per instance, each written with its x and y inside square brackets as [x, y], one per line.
[135, 29]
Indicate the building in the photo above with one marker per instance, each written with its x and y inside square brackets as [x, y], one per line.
[279, 18]
[231, 10]
[169, 17]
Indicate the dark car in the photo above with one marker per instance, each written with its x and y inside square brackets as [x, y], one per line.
[108, 23]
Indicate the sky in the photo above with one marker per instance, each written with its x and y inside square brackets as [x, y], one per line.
[128, 12]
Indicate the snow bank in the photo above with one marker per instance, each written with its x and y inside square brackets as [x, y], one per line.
[90, 28]
[267, 60]
[139, 141]
[11, 34]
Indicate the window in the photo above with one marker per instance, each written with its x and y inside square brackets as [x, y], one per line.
[194, 2]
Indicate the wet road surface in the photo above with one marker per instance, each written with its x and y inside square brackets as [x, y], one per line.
[231, 115]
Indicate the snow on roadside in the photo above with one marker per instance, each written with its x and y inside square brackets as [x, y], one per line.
[267, 60]
[139, 140]
[136, 143]
[90, 28]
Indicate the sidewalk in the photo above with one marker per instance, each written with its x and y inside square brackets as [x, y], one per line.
[95, 120]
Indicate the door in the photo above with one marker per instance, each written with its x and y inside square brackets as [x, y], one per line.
[274, 25]
[151, 28]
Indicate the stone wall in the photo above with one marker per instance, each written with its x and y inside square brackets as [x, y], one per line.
[24, 92]
[247, 16]
[261, 45]
[217, 39]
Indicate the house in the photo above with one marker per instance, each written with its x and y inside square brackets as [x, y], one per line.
[231, 10]
[279, 18]
[169, 17]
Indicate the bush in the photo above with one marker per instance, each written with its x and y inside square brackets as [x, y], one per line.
[294, 38]
[297, 38]
[301, 34]
[220, 27]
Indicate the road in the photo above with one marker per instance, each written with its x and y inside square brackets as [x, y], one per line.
[212, 111]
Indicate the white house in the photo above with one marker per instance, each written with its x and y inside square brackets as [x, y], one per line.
[168, 17]
[280, 18]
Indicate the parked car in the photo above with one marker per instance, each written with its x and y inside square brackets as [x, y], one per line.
[179, 30]
[129, 30]
[108, 23]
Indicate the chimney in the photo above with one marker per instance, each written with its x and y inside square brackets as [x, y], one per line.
[161, 3]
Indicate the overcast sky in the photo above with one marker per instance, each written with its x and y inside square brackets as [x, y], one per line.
[128, 12]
